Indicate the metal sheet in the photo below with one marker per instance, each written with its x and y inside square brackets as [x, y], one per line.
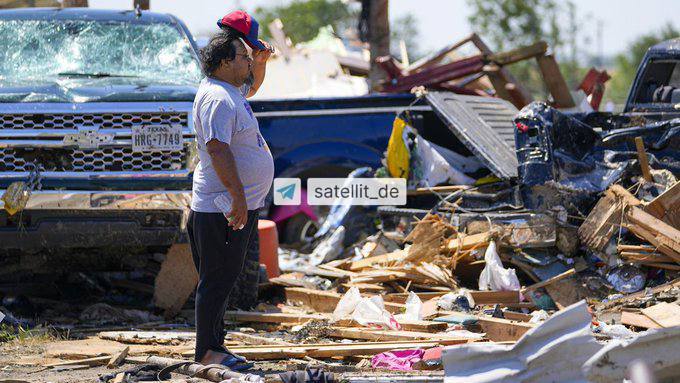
[484, 125]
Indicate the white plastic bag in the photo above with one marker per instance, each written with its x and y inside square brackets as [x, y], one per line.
[347, 304]
[413, 307]
[494, 276]
[434, 169]
[371, 312]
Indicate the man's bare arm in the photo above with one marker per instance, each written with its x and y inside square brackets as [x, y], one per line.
[259, 68]
[225, 168]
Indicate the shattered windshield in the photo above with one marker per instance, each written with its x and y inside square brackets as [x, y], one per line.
[32, 51]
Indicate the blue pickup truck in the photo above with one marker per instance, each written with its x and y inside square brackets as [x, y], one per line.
[82, 88]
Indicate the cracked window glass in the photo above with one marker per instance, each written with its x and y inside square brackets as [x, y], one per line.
[35, 50]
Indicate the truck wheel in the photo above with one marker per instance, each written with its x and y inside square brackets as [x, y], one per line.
[244, 294]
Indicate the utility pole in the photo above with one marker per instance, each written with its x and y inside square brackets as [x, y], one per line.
[74, 3]
[378, 39]
[143, 4]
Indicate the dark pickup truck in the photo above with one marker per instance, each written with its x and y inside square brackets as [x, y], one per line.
[84, 94]
[565, 159]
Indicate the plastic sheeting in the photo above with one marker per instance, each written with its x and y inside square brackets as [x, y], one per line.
[551, 352]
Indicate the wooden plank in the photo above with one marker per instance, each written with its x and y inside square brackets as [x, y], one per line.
[468, 242]
[95, 361]
[518, 54]
[117, 359]
[388, 335]
[666, 207]
[255, 339]
[552, 76]
[176, 280]
[480, 297]
[326, 301]
[506, 85]
[498, 329]
[326, 350]
[521, 317]
[494, 297]
[605, 218]
[263, 317]
[664, 314]
[420, 325]
[556, 278]
[377, 260]
[638, 320]
[642, 159]
[657, 232]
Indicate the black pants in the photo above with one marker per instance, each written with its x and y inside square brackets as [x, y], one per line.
[219, 253]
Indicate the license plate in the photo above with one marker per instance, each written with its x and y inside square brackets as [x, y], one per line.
[152, 138]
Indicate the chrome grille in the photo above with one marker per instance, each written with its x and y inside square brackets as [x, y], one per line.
[103, 159]
[105, 120]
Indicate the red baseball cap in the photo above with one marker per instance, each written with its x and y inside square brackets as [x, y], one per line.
[244, 23]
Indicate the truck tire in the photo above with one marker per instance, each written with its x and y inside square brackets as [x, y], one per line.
[244, 294]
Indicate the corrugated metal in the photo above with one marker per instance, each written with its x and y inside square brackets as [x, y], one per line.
[484, 125]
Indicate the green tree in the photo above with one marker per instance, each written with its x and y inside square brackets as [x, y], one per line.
[405, 28]
[508, 24]
[302, 19]
[627, 62]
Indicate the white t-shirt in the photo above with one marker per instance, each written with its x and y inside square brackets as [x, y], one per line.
[222, 112]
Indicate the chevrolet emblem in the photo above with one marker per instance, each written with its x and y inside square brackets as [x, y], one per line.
[88, 137]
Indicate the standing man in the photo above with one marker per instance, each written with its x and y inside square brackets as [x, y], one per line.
[234, 162]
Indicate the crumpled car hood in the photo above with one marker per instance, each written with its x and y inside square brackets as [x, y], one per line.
[96, 90]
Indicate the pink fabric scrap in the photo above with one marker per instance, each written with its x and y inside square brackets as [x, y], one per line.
[398, 360]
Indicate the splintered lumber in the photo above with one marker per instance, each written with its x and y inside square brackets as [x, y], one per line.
[117, 359]
[605, 218]
[326, 301]
[389, 335]
[95, 361]
[394, 256]
[638, 320]
[556, 278]
[467, 242]
[642, 159]
[664, 314]
[427, 238]
[324, 350]
[655, 231]
[666, 207]
[254, 316]
[552, 76]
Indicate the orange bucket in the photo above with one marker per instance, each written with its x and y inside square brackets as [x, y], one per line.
[269, 246]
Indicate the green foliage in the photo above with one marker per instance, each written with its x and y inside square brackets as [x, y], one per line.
[508, 24]
[405, 28]
[628, 61]
[302, 19]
